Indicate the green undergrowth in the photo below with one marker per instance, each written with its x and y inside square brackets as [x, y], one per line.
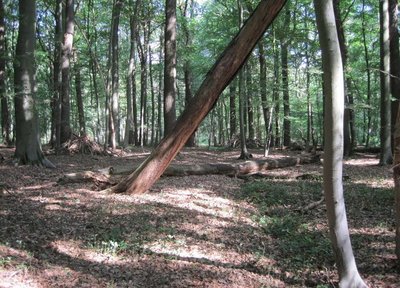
[301, 245]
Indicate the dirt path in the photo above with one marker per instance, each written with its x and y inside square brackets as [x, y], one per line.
[194, 231]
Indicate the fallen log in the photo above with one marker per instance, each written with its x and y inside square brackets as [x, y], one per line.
[108, 176]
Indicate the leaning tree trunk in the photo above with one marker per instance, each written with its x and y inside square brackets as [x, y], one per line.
[28, 149]
[333, 159]
[215, 82]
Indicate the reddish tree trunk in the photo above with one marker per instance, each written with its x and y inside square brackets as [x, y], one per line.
[216, 80]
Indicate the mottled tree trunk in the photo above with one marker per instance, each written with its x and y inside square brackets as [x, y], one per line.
[333, 145]
[394, 60]
[79, 98]
[65, 126]
[385, 135]
[113, 121]
[28, 149]
[285, 84]
[170, 66]
[220, 75]
[232, 110]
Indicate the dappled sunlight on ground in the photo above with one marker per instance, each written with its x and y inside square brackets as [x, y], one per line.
[192, 231]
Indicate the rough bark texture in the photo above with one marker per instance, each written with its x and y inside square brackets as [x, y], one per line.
[396, 176]
[385, 135]
[5, 115]
[28, 149]
[79, 98]
[333, 145]
[215, 82]
[65, 128]
[248, 168]
[56, 111]
[394, 60]
[285, 84]
[170, 67]
[114, 99]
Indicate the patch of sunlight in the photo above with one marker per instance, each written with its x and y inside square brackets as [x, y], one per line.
[74, 249]
[15, 268]
[196, 200]
[37, 187]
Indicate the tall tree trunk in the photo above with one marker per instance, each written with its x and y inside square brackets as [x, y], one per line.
[79, 98]
[5, 114]
[244, 153]
[348, 112]
[160, 83]
[187, 66]
[65, 126]
[333, 160]
[275, 97]
[394, 60]
[368, 71]
[56, 101]
[215, 82]
[395, 89]
[263, 94]
[250, 108]
[170, 66]
[28, 149]
[385, 135]
[232, 110]
[285, 84]
[113, 121]
[143, 53]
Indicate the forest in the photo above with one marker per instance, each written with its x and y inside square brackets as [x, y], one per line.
[150, 144]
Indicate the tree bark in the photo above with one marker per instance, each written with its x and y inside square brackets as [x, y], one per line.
[333, 145]
[215, 82]
[131, 112]
[79, 98]
[285, 84]
[65, 126]
[394, 60]
[113, 121]
[348, 119]
[28, 149]
[232, 110]
[244, 169]
[170, 66]
[5, 114]
[385, 133]
[368, 72]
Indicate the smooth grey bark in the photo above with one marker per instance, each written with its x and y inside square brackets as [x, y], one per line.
[170, 66]
[385, 132]
[333, 145]
[28, 148]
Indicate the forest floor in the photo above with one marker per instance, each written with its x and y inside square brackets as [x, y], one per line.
[192, 231]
